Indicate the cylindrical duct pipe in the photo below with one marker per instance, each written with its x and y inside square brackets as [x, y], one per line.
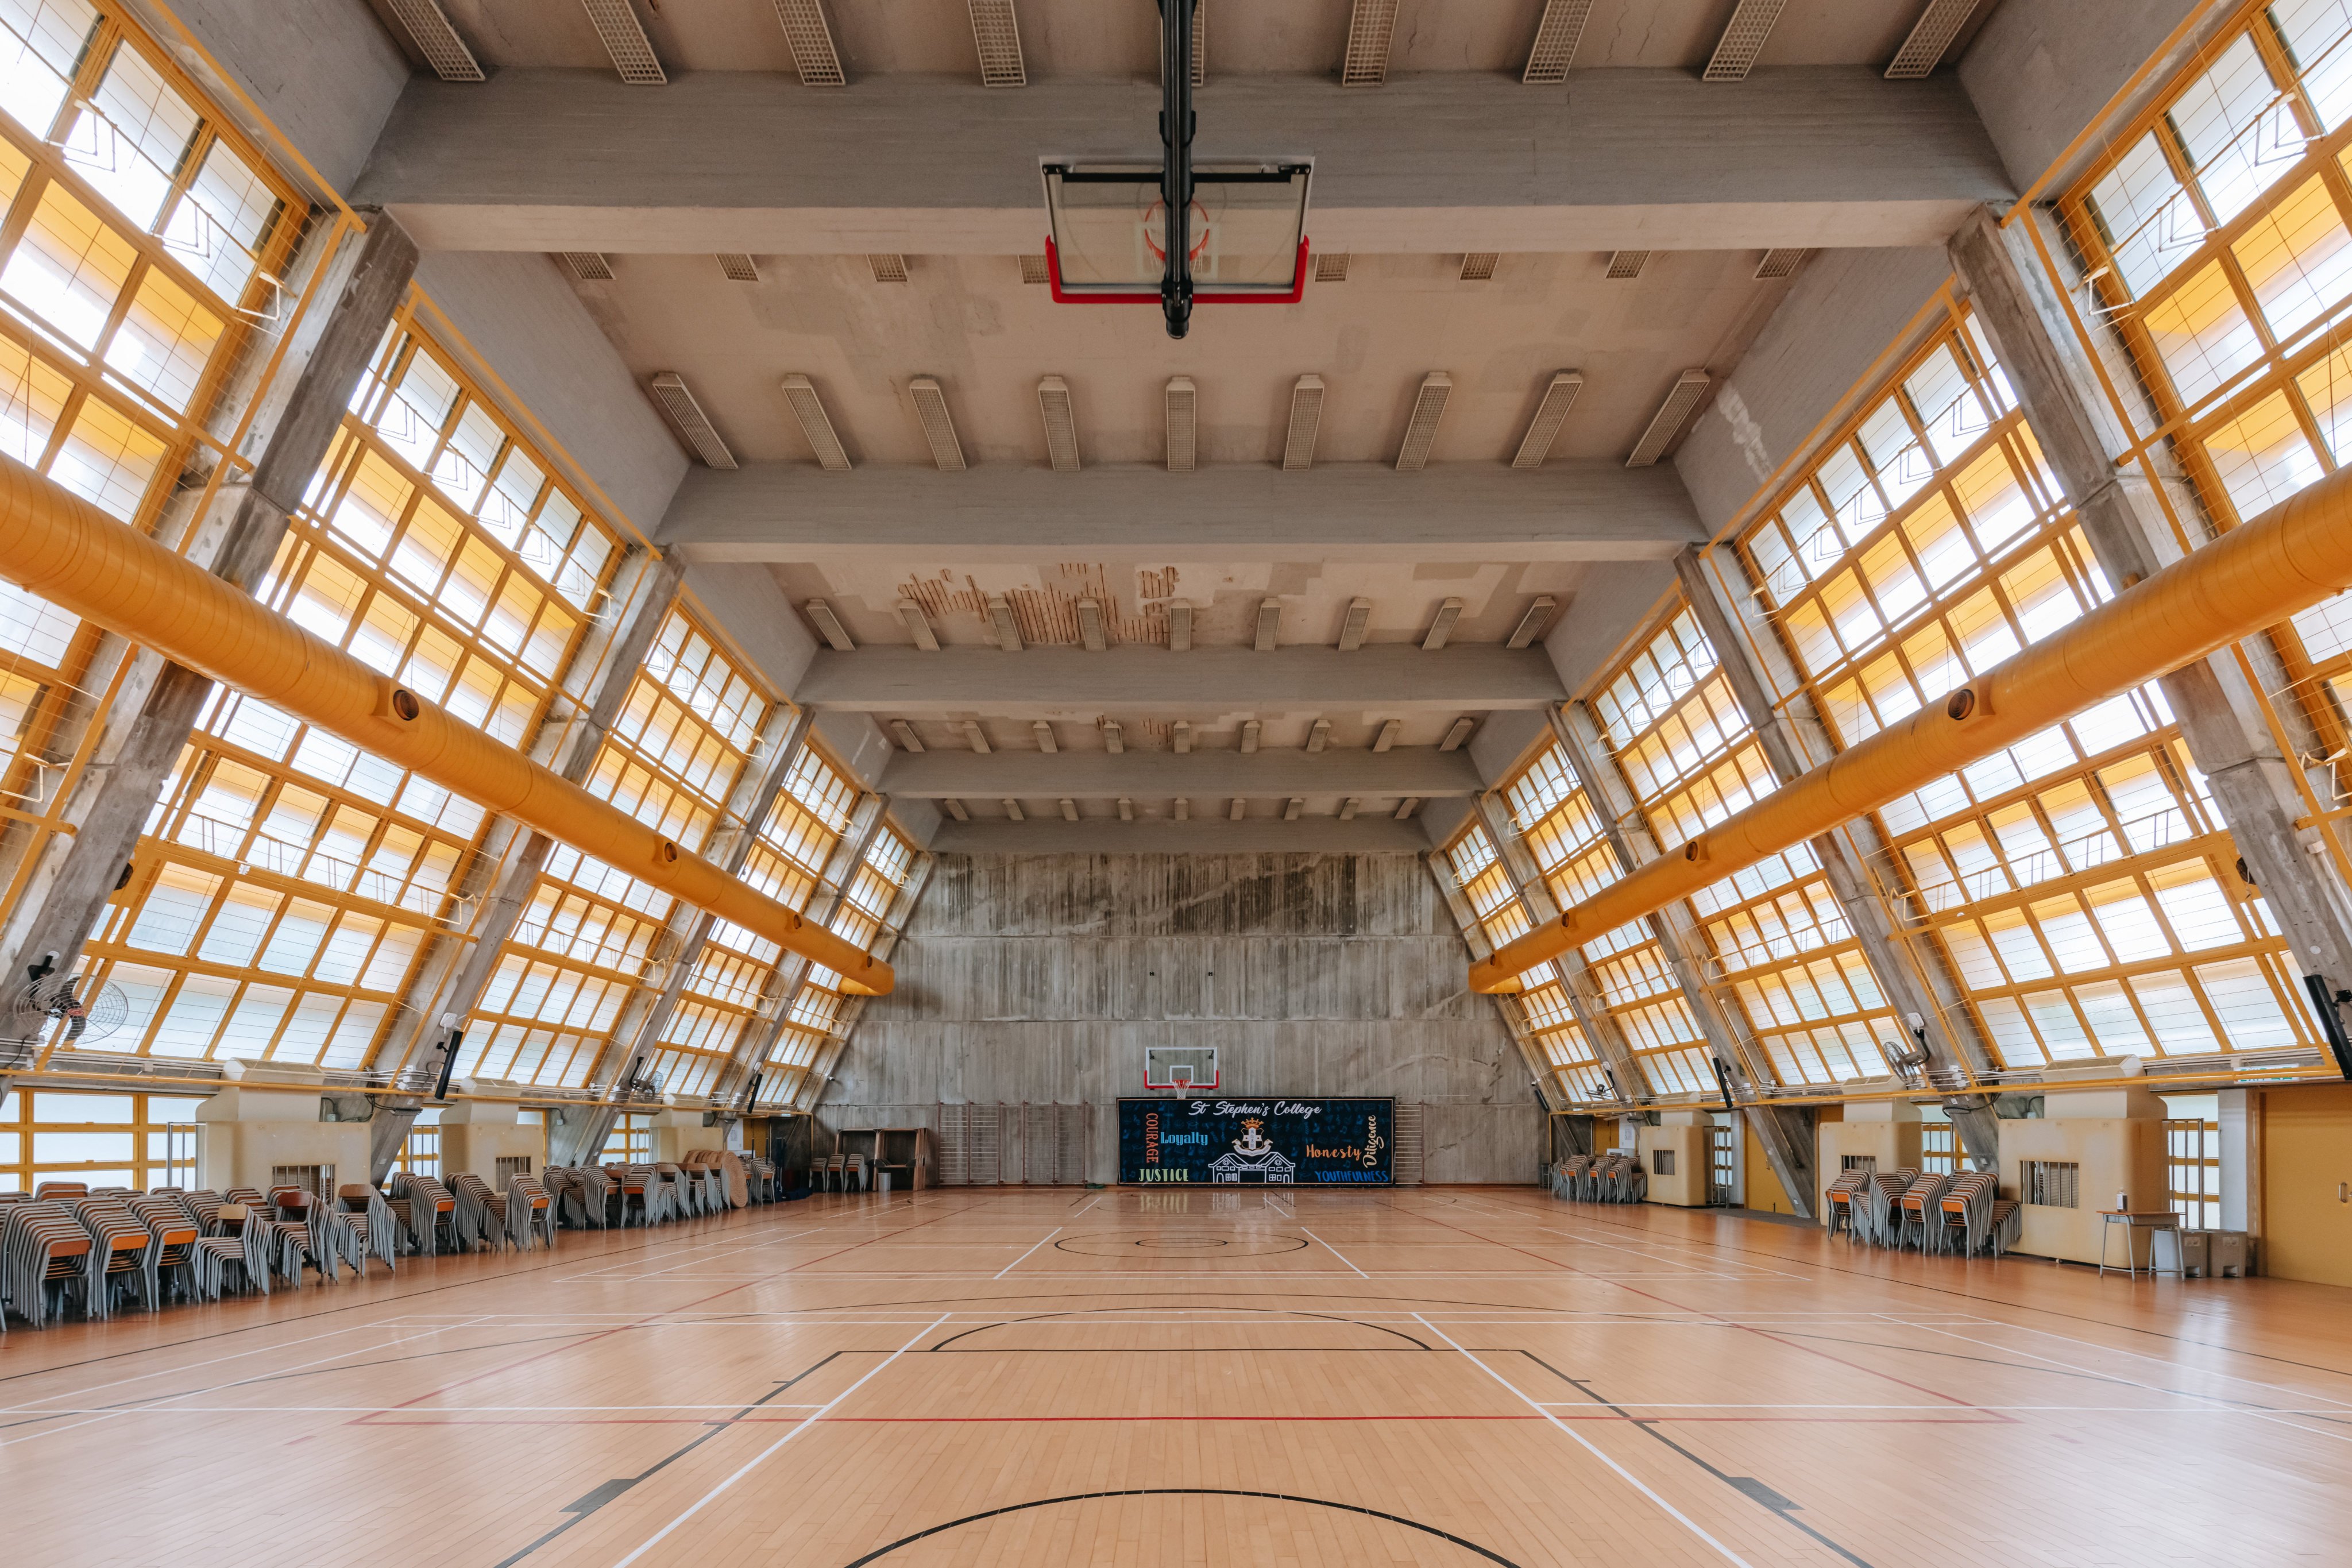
[58, 546]
[2252, 578]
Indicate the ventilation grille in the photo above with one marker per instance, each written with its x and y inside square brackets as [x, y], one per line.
[1061, 424]
[1269, 622]
[919, 626]
[1180, 737]
[1743, 39]
[974, 736]
[1937, 26]
[1348, 808]
[1370, 25]
[1442, 627]
[955, 808]
[1479, 267]
[1125, 809]
[1407, 806]
[1331, 268]
[1069, 807]
[443, 50]
[1179, 628]
[938, 430]
[740, 269]
[1389, 730]
[887, 268]
[1306, 419]
[908, 738]
[1531, 624]
[588, 266]
[1184, 812]
[1114, 738]
[1200, 43]
[1627, 263]
[1456, 735]
[1251, 729]
[1780, 263]
[1671, 414]
[813, 55]
[1556, 36]
[998, 33]
[829, 627]
[624, 40]
[1551, 413]
[670, 392]
[1428, 408]
[1045, 733]
[809, 409]
[1292, 807]
[1319, 734]
[1239, 809]
[1032, 270]
[1012, 810]
[1183, 403]
[1090, 626]
[1008, 630]
[1351, 630]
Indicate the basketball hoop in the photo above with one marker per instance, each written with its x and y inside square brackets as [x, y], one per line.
[1227, 232]
[1186, 1071]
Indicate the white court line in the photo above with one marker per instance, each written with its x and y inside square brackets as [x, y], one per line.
[2172, 1365]
[1018, 1261]
[1333, 1251]
[1091, 1204]
[754, 1462]
[1624, 1474]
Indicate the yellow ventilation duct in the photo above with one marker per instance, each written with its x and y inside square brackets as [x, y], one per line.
[62, 547]
[2253, 577]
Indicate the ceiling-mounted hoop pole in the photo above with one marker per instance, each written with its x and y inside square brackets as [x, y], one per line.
[1177, 122]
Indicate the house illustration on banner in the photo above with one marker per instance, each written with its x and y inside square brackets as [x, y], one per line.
[1252, 1158]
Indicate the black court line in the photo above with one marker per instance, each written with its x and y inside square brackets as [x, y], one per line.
[1091, 1311]
[1470, 1546]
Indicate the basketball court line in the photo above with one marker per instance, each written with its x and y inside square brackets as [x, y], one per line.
[1023, 1257]
[1333, 1251]
[757, 1460]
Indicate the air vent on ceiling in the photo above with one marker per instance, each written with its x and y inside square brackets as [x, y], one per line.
[1200, 43]
[1008, 630]
[976, 737]
[1125, 809]
[1239, 809]
[908, 738]
[1370, 23]
[1351, 629]
[919, 626]
[1743, 39]
[1441, 625]
[1558, 397]
[1627, 263]
[887, 266]
[997, 32]
[1319, 734]
[1090, 626]
[1061, 424]
[1420, 429]
[1457, 735]
[1184, 812]
[1348, 808]
[1306, 419]
[828, 626]
[809, 409]
[1292, 807]
[1069, 809]
[811, 37]
[1251, 729]
[1033, 270]
[939, 428]
[1669, 421]
[1183, 403]
[670, 392]
[1937, 26]
[1407, 806]
[1269, 622]
[955, 808]
[1478, 266]
[1389, 730]
[1045, 733]
[1556, 35]
[1331, 268]
[738, 268]
[443, 50]
[1179, 736]
[624, 40]
[1114, 737]
[1780, 263]
[1531, 624]
[1012, 810]
[1179, 628]
[588, 266]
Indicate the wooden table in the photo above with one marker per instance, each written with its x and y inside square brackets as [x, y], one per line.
[2133, 1220]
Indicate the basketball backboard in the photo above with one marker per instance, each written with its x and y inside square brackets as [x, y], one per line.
[1107, 232]
[1186, 1069]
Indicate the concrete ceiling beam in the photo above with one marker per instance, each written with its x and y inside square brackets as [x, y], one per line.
[1438, 163]
[799, 512]
[1131, 681]
[1218, 775]
[1251, 835]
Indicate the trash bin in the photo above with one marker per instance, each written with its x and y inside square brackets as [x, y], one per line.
[2233, 1254]
[882, 1183]
[2188, 1253]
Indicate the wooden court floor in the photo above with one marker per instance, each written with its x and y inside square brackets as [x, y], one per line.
[1439, 1375]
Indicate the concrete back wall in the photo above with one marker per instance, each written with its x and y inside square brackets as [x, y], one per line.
[1042, 979]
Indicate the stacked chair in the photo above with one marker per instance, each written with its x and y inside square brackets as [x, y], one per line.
[1963, 1214]
[1612, 1178]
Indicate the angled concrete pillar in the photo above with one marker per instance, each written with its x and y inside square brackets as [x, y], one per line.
[902, 909]
[1684, 946]
[2221, 717]
[1913, 974]
[1465, 920]
[155, 707]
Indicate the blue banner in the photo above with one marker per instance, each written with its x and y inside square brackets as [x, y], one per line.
[1261, 1143]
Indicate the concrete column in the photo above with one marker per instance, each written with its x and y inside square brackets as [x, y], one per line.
[2241, 1151]
[450, 983]
[1913, 974]
[2221, 717]
[1784, 1132]
[156, 705]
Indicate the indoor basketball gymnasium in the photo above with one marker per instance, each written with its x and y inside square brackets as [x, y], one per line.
[878, 783]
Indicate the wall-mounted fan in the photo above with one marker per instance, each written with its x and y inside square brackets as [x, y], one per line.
[71, 1012]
